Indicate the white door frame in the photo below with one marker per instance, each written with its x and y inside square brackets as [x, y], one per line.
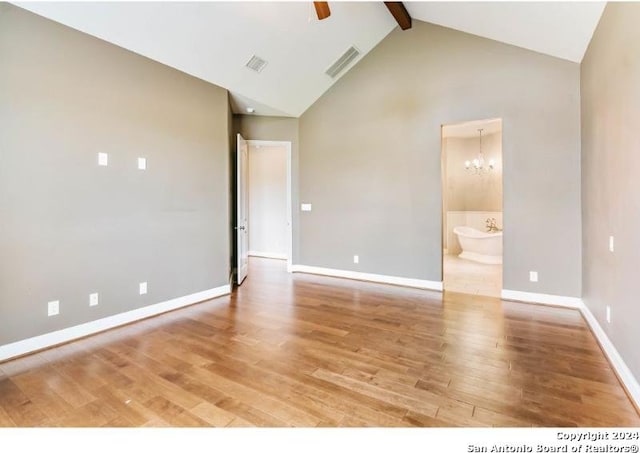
[287, 146]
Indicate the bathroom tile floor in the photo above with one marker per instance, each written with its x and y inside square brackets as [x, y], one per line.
[464, 276]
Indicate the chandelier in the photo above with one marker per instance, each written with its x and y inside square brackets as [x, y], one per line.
[478, 166]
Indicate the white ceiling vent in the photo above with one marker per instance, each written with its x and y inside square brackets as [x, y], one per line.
[256, 63]
[342, 62]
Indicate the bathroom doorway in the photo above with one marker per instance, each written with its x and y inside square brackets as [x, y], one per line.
[472, 207]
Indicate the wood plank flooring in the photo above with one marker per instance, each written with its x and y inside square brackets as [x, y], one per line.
[303, 350]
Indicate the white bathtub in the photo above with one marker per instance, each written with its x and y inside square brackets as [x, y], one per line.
[479, 246]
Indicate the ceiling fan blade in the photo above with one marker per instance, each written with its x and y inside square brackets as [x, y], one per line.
[322, 10]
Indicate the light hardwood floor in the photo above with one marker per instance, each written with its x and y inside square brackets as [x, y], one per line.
[302, 350]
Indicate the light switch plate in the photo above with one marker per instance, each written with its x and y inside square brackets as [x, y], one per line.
[93, 299]
[142, 163]
[305, 206]
[53, 308]
[356, 259]
[609, 314]
[143, 288]
[103, 159]
[533, 276]
[611, 243]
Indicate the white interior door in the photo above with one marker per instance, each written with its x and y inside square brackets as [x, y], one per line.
[243, 210]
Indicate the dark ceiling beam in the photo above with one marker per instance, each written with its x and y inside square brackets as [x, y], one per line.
[322, 10]
[400, 14]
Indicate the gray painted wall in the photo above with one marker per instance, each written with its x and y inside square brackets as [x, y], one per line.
[253, 127]
[370, 157]
[610, 167]
[69, 228]
[231, 188]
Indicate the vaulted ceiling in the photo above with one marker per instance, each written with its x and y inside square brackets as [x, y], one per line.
[559, 29]
[214, 40]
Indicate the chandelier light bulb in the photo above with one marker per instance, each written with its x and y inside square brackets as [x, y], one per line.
[478, 163]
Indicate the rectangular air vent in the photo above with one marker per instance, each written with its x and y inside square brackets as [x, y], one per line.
[256, 63]
[342, 62]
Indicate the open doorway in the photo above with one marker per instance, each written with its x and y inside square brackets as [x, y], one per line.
[264, 226]
[472, 207]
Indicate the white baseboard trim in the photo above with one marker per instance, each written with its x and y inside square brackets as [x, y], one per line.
[544, 299]
[625, 375]
[275, 256]
[47, 340]
[376, 278]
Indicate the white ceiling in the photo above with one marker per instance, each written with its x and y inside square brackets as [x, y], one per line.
[214, 40]
[470, 128]
[559, 29]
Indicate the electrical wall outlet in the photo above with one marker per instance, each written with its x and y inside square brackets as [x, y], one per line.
[611, 243]
[305, 206]
[533, 276]
[609, 314]
[143, 288]
[93, 299]
[53, 308]
[142, 163]
[356, 259]
[103, 159]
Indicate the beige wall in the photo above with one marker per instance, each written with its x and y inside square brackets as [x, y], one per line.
[370, 157]
[69, 228]
[468, 192]
[610, 76]
[268, 199]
